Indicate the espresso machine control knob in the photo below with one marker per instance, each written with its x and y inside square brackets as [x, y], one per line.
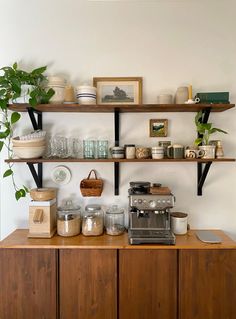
[140, 201]
[152, 204]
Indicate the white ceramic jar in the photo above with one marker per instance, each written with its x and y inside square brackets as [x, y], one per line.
[58, 84]
[86, 94]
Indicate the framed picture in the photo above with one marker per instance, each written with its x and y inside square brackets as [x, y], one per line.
[118, 90]
[158, 128]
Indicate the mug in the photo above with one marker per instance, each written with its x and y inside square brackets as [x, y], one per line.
[179, 223]
[157, 152]
[164, 144]
[175, 151]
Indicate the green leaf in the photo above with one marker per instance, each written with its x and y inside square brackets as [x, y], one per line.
[39, 70]
[3, 104]
[15, 66]
[15, 117]
[8, 173]
[16, 85]
[214, 130]
[33, 101]
[1, 145]
[4, 134]
[20, 193]
[26, 189]
[198, 141]
[2, 92]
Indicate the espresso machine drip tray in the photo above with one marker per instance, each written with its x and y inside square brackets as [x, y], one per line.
[151, 237]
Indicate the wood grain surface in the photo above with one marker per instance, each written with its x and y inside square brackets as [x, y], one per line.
[71, 108]
[28, 284]
[18, 239]
[147, 284]
[88, 284]
[207, 284]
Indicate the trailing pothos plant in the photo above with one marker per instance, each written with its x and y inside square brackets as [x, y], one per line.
[11, 80]
[205, 130]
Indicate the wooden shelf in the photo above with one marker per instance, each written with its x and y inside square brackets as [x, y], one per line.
[113, 160]
[71, 108]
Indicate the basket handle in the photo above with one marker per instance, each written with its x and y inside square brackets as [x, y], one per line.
[89, 175]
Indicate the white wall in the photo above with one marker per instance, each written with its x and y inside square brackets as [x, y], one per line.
[169, 44]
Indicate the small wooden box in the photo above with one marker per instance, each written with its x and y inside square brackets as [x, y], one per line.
[42, 219]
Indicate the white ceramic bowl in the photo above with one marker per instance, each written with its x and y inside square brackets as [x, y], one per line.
[29, 152]
[29, 143]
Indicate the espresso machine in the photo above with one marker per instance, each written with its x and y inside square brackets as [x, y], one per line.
[149, 215]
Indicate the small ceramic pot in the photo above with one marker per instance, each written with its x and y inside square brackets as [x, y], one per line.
[209, 151]
[117, 152]
[157, 152]
[143, 152]
[86, 94]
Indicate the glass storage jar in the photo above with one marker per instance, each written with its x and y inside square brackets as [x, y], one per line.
[114, 221]
[68, 220]
[92, 224]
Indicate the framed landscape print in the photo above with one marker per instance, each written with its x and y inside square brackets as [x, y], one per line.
[158, 128]
[118, 90]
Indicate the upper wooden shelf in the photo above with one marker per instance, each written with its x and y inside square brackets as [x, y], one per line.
[113, 160]
[123, 108]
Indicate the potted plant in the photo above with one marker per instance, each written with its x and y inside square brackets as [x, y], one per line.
[205, 130]
[12, 82]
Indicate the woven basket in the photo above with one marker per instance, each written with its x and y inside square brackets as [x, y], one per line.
[91, 186]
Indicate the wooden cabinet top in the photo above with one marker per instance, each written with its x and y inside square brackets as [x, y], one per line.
[19, 239]
[108, 108]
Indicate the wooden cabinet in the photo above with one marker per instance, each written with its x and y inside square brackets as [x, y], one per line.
[28, 283]
[88, 284]
[147, 284]
[106, 278]
[207, 284]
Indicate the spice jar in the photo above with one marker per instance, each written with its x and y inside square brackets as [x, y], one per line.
[68, 220]
[92, 224]
[114, 220]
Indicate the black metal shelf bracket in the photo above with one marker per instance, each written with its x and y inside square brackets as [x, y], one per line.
[37, 175]
[117, 141]
[37, 124]
[203, 171]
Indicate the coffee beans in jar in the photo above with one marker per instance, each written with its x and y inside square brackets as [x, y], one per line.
[68, 220]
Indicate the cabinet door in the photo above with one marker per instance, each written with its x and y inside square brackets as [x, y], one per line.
[148, 284]
[88, 284]
[207, 284]
[28, 284]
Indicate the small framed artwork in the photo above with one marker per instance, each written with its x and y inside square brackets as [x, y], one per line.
[158, 128]
[118, 90]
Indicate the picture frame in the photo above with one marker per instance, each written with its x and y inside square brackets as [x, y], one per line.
[158, 127]
[118, 90]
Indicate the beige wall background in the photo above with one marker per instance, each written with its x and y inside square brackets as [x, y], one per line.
[169, 44]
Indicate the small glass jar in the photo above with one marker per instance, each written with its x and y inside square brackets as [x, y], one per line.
[92, 224]
[68, 220]
[114, 221]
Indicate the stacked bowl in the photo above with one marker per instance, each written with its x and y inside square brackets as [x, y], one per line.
[86, 94]
[29, 148]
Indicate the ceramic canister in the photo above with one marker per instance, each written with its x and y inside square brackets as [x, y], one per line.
[179, 223]
[181, 95]
[86, 94]
[157, 152]
[117, 152]
[58, 84]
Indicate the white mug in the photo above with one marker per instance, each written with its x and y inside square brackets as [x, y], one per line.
[179, 223]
